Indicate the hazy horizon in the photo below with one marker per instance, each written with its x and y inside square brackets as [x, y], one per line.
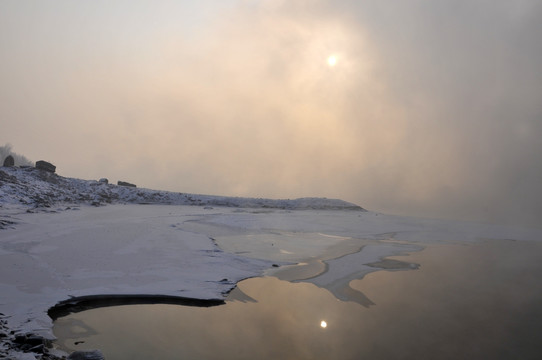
[427, 108]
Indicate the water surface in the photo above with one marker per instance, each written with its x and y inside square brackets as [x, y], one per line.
[465, 301]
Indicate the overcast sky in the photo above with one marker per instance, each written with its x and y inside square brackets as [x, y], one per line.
[432, 108]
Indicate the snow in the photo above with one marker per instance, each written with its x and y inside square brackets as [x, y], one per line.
[32, 187]
[54, 245]
[119, 249]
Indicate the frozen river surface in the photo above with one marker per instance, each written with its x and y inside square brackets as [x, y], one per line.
[203, 252]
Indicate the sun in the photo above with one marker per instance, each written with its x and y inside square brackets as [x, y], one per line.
[323, 324]
[332, 60]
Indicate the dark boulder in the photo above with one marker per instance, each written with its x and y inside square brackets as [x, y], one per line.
[9, 161]
[104, 181]
[44, 165]
[124, 183]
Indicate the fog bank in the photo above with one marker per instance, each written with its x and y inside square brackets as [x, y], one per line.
[432, 108]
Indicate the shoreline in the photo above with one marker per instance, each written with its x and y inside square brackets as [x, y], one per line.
[473, 300]
[198, 252]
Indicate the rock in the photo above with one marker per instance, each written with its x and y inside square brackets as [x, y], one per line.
[124, 183]
[103, 181]
[34, 340]
[9, 161]
[29, 343]
[8, 178]
[40, 349]
[86, 355]
[44, 165]
[20, 339]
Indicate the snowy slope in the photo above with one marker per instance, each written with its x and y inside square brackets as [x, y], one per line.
[37, 188]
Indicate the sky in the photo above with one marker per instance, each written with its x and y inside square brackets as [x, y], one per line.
[428, 108]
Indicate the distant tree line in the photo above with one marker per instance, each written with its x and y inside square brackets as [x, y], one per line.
[20, 160]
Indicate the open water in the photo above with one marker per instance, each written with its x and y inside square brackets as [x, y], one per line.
[479, 301]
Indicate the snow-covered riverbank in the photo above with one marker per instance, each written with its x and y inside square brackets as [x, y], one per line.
[56, 246]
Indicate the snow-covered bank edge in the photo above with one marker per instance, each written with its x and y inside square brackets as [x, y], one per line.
[27, 190]
[129, 251]
[34, 188]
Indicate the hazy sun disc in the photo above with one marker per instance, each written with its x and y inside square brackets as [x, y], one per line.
[331, 60]
[323, 324]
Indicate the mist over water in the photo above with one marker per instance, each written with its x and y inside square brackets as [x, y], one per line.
[432, 108]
